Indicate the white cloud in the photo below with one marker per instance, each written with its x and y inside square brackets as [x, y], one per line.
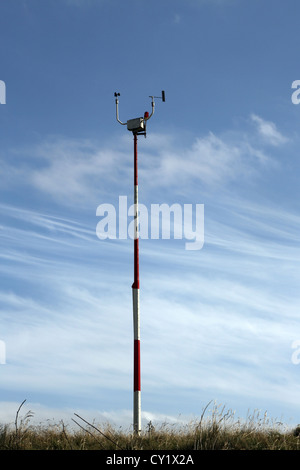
[82, 171]
[81, 339]
[74, 170]
[68, 324]
[269, 131]
[209, 160]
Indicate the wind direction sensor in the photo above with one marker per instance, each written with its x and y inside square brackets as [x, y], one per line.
[138, 127]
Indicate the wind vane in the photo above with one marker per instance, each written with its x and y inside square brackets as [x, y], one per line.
[138, 127]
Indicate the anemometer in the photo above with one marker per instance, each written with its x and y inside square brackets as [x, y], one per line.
[138, 125]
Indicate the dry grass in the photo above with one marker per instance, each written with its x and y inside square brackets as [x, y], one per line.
[219, 431]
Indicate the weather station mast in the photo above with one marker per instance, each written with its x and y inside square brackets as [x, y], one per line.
[138, 127]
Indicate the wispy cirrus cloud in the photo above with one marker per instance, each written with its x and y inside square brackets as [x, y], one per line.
[70, 330]
[268, 131]
[76, 171]
[210, 160]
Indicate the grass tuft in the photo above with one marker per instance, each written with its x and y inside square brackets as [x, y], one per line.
[218, 431]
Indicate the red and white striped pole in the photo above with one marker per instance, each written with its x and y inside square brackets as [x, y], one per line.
[136, 305]
[137, 127]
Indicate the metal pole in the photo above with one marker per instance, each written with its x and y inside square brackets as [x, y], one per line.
[136, 306]
[137, 127]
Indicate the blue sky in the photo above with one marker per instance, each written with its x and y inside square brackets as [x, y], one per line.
[216, 324]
